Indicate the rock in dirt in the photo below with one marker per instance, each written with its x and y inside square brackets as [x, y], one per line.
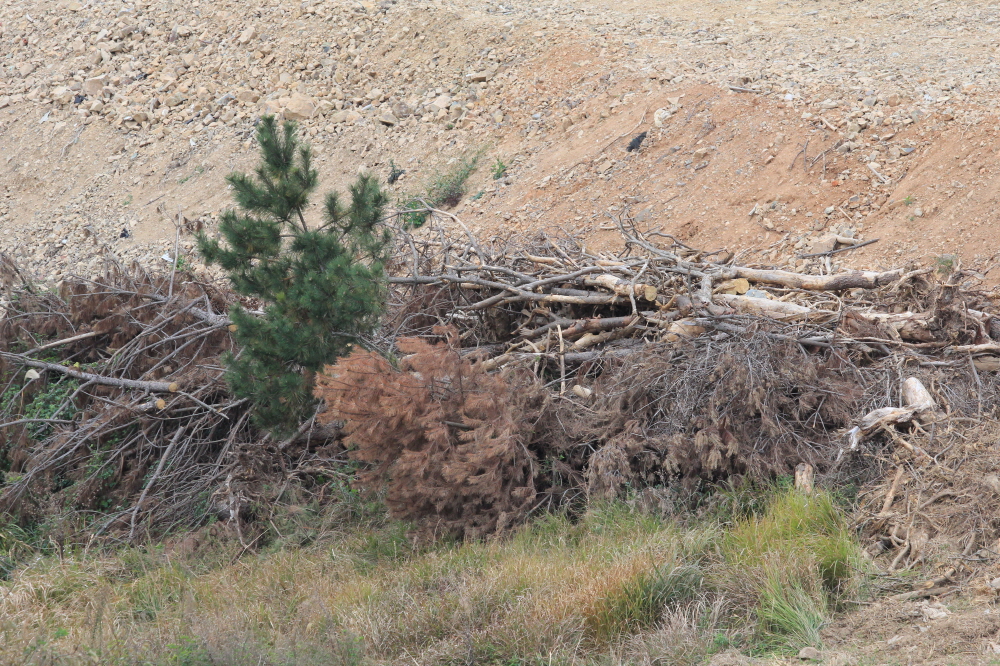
[300, 107]
[810, 653]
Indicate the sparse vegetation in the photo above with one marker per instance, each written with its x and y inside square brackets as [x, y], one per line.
[616, 580]
[498, 170]
[444, 190]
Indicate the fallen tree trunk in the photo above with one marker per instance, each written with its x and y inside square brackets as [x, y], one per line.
[769, 307]
[852, 280]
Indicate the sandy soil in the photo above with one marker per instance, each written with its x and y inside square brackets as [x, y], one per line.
[757, 101]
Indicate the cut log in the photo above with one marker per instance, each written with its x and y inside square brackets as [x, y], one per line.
[804, 477]
[916, 396]
[852, 280]
[622, 287]
[682, 329]
[769, 308]
[876, 419]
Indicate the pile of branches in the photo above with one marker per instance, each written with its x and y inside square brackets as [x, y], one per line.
[660, 365]
[525, 373]
[543, 298]
[114, 406]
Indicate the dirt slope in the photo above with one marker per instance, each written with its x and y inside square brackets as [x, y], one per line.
[117, 117]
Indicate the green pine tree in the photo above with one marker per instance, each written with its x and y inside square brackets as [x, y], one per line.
[323, 287]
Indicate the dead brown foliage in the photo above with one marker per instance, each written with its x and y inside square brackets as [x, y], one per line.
[440, 435]
[143, 457]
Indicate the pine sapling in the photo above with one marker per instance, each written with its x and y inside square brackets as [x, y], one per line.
[323, 285]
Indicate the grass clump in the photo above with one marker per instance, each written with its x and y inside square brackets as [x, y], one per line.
[789, 566]
[498, 170]
[445, 189]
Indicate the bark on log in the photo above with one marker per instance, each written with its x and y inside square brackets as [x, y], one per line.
[912, 326]
[768, 307]
[804, 478]
[852, 280]
[622, 287]
[597, 324]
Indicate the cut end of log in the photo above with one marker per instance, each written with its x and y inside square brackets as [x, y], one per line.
[173, 387]
[804, 478]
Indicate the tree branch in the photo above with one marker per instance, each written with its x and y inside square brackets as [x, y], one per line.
[156, 387]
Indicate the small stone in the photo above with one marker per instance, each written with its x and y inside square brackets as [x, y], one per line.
[480, 77]
[300, 107]
[247, 35]
[894, 100]
[823, 244]
[25, 69]
[700, 154]
[94, 87]
[918, 212]
[661, 116]
[995, 583]
[810, 653]
[188, 59]
[498, 117]
[870, 101]
[386, 118]
[339, 117]
[401, 110]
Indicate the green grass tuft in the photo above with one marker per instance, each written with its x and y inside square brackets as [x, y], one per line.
[445, 189]
[791, 565]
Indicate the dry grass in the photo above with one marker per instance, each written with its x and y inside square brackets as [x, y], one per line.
[617, 586]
